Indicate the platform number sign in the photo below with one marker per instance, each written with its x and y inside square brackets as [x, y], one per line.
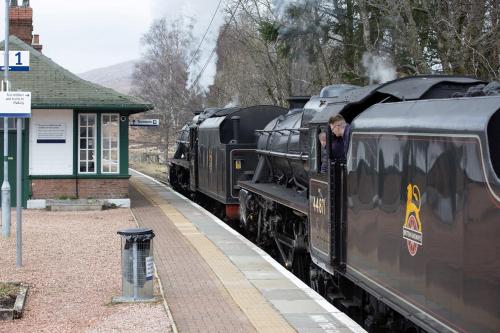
[19, 61]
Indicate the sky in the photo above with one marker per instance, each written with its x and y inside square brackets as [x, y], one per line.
[90, 34]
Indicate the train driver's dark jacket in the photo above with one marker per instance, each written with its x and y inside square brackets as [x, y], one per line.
[341, 145]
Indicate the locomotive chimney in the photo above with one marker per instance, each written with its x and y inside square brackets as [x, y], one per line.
[236, 129]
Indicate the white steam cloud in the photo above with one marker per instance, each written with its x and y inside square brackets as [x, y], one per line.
[235, 101]
[379, 69]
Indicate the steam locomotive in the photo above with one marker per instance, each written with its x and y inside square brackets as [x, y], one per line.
[402, 232]
[214, 151]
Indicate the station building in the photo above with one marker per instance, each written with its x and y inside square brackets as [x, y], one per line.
[76, 143]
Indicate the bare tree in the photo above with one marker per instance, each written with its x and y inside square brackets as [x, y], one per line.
[300, 46]
[161, 76]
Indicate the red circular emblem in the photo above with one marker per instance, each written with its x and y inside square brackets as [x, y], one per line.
[413, 225]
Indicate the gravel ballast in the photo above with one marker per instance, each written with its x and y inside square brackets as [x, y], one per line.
[71, 262]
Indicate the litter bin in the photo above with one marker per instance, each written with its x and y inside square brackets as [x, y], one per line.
[137, 264]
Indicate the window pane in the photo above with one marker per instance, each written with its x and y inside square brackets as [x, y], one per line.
[113, 130]
[313, 158]
[87, 143]
[110, 131]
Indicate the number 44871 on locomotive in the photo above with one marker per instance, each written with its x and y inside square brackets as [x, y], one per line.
[403, 231]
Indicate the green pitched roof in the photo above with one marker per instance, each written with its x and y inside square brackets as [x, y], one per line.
[53, 87]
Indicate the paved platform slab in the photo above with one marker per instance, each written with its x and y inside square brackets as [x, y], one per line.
[215, 280]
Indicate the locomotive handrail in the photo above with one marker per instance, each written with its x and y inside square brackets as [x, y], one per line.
[301, 156]
[281, 130]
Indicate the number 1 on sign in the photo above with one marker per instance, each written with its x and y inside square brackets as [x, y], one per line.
[18, 55]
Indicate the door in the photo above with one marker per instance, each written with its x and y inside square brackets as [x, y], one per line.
[320, 229]
[193, 158]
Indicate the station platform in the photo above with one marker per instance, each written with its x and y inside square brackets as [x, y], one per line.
[215, 280]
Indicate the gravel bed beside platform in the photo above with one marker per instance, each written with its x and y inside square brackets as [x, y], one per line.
[72, 264]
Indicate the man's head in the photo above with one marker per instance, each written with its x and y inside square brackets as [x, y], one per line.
[322, 138]
[337, 125]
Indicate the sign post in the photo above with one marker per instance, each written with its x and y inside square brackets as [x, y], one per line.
[13, 104]
[5, 184]
[19, 189]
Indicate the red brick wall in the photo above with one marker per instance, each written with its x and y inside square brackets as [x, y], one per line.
[103, 188]
[87, 188]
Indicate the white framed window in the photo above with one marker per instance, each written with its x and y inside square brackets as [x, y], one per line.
[110, 143]
[86, 143]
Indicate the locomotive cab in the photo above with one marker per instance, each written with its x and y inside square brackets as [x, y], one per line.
[326, 193]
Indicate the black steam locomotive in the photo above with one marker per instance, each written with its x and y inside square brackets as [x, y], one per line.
[214, 151]
[402, 232]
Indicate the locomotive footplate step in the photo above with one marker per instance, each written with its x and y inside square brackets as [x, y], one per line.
[279, 194]
[179, 161]
[215, 280]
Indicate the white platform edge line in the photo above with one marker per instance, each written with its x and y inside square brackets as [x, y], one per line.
[332, 310]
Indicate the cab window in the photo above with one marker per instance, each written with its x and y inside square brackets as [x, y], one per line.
[313, 155]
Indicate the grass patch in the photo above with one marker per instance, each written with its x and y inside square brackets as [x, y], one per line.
[8, 293]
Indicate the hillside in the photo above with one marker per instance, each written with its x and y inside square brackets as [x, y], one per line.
[117, 77]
